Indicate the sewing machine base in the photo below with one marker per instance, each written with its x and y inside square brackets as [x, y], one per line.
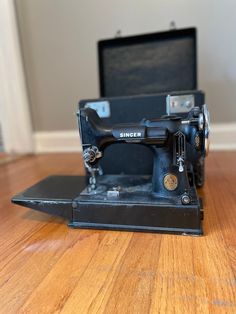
[121, 202]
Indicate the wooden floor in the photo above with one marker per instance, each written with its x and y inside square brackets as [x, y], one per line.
[45, 267]
[5, 158]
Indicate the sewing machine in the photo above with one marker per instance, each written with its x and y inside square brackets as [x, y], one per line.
[165, 200]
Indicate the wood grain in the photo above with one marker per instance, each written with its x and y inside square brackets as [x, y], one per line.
[45, 267]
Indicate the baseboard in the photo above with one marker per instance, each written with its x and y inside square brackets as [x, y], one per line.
[57, 141]
[223, 137]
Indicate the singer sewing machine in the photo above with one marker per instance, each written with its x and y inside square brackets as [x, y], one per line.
[167, 200]
[164, 201]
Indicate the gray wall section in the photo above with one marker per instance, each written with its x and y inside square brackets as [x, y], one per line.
[59, 48]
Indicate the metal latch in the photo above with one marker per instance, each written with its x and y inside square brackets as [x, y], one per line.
[179, 104]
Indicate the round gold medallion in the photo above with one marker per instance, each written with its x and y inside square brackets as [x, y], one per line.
[170, 182]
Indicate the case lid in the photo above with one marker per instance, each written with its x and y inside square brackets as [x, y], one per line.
[150, 63]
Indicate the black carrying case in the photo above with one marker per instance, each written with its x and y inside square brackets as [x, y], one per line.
[149, 63]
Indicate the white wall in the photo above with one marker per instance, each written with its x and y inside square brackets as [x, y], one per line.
[59, 44]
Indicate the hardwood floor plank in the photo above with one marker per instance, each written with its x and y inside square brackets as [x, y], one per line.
[90, 290]
[32, 263]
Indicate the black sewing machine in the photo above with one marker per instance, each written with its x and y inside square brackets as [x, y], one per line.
[164, 201]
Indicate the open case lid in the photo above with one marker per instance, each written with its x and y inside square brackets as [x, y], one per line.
[149, 63]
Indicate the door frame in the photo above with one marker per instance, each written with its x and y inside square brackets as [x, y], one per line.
[15, 118]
